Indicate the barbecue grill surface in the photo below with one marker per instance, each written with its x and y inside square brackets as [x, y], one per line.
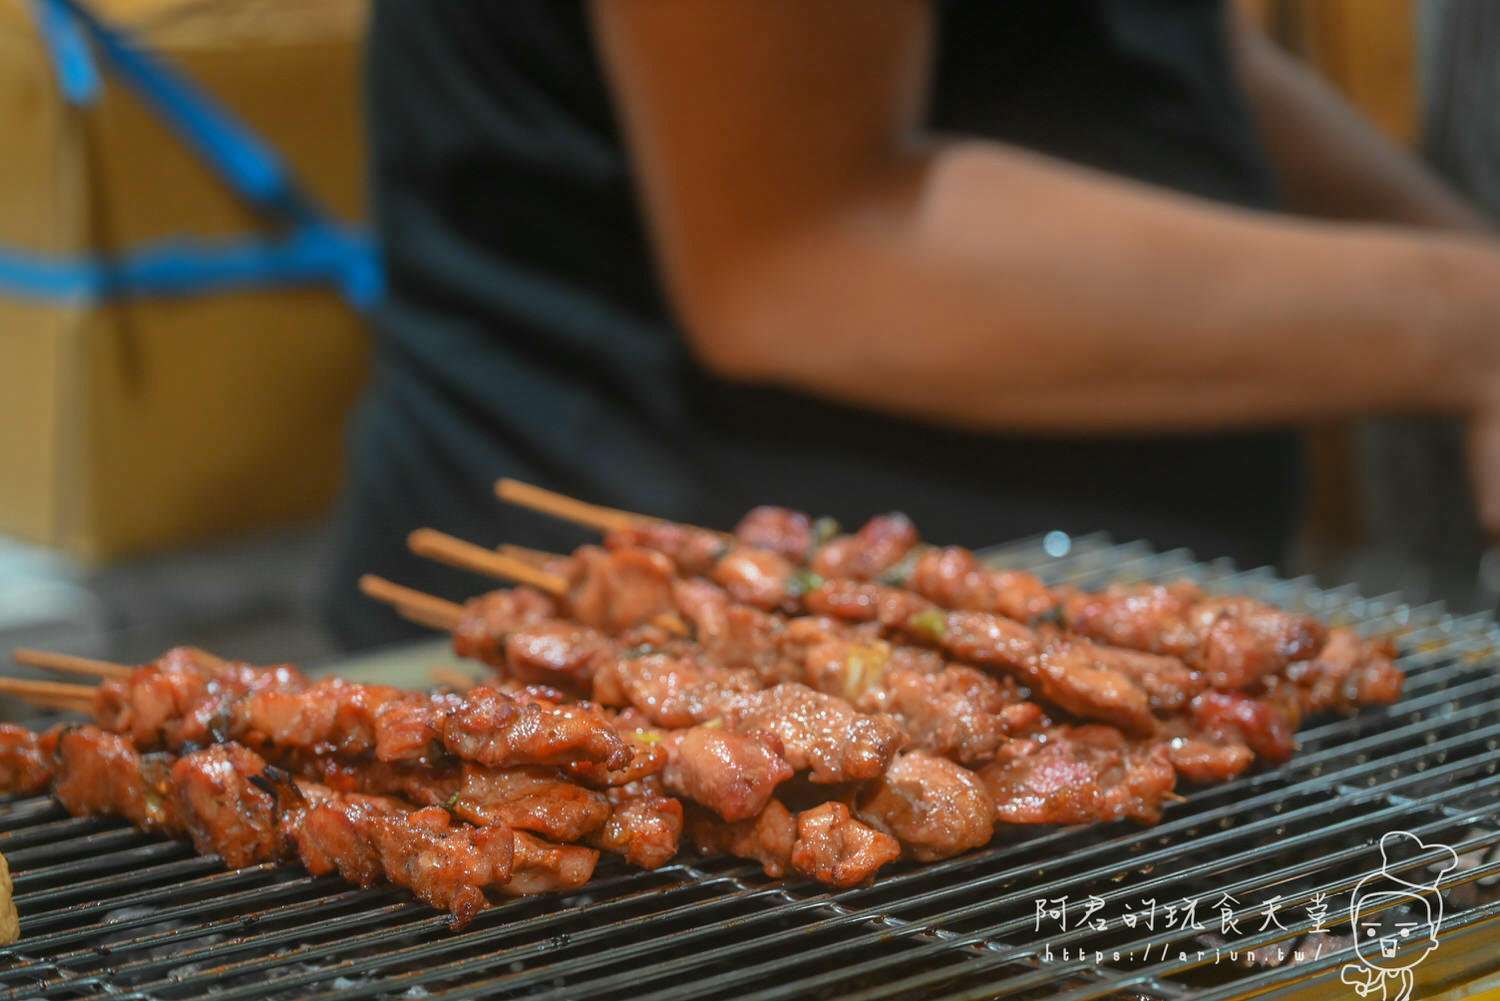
[109, 912]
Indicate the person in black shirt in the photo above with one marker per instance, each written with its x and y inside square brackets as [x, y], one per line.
[1004, 266]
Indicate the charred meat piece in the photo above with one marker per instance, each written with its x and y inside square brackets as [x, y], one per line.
[337, 716]
[536, 798]
[732, 635]
[1347, 673]
[761, 579]
[1075, 775]
[733, 774]
[790, 534]
[530, 798]
[1068, 673]
[366, 838]
[543, 867]
[647, 760]
[1169, 684]
[878, 546]
[444, 864]
[957, 713]
[977, 637]
[694, 551]
[1267, 724]
[644, 825]
[947, 709]
[491, 728]
[672, 691]
[1233, 641]
[613, 590]
[891, 607]
[224, 812]
[1204, 758]
[555, 652]
[490, 617]
[954, 578]
[767, 838]
[337, 837]
[1073, 675]
[102, 773]
[1244, 639]
[184, 697]
[833, 847]
[26, 768]
[818, 732]
[934, 807]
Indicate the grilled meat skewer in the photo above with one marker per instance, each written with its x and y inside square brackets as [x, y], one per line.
[1232, 640]
[178, 699]
[229, 803]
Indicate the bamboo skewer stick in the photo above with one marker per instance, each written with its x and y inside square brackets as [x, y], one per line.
[538, 558]
[605, 519]
[425, 617]
[565, 508]
[436, 545]
[26, 688]
[73, 697]
[70, 664]
[60, 703]
[436, 612]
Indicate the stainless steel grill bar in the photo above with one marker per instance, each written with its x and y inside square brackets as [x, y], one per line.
[210, 892]
[185, 873]
[151, 849]
[69, 850]
[432, 946]
[53, 831]
[256, 898]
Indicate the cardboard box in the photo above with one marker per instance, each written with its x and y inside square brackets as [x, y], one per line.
[133, 426]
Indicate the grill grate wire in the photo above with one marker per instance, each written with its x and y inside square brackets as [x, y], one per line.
[107, 911]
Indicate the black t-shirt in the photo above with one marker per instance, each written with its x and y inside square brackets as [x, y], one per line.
[526, 333]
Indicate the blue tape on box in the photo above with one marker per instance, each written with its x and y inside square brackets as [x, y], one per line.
[314, 249]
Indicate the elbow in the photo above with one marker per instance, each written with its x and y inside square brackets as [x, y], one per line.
[726, 332]
[729, 353]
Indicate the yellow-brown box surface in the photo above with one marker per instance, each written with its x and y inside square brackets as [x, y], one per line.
[128, 427]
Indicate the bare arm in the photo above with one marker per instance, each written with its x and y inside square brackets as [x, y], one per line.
[812, 236]
[1331, 161]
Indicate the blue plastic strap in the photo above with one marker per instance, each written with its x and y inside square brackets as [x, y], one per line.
[77, 76]
[236, 154]
[315, 250]
[311, 255]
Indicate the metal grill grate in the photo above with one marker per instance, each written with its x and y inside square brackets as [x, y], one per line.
[109, 912]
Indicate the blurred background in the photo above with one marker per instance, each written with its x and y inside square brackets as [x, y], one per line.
[170, 460]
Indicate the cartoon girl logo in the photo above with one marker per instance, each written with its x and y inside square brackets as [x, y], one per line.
[1396, 918]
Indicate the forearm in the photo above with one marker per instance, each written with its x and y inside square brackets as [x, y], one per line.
[1330, 160]
[995, 289]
